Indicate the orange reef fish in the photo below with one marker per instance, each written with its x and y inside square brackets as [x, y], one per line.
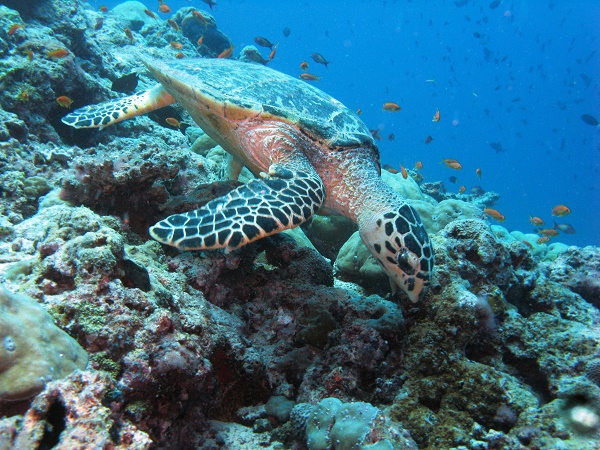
[494, 213]
[272, 54]
[29, 54]
[418, 165]
[200, 41]
[536, 221]
[163, 8]
[23, 96]
[389, 168]
[548, 232]
[309, 77]
[391, 107]
[527, 243]
[128, 33]
[13, 29]
[198, 15]
[436, 116]
[428, 140]
[149, 13]
[543, 240]
[452, 163]
[561, 211]
[478, 173]
[462, 189]
[358, 112]
[173, 24]
[403, 172]
[173, 122]
[64, 101]
[103, 8]
[60, 53]
[179, 55]
[304, 65]
[226, 53]
[176, 45]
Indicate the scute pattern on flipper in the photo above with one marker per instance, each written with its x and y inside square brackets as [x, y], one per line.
[260, 208]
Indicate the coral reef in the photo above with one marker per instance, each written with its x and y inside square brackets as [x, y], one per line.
[270, 346]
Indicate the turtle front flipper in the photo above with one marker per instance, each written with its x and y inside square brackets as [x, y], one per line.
[281, 200]
[114, 111]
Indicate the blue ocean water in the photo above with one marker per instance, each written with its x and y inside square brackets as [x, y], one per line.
[517, 73]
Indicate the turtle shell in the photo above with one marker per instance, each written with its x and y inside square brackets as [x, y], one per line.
[259, 90]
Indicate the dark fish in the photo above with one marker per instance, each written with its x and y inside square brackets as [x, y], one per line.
[495, 4]
[453, 179]
[253, 54]
[428, 139]
[391, 137]
[477, 191]
[263, 42]
[318, 58]
[210, 3]
[161, 115]
[126, 84]
[477, 35]
[287, 31]
[564, 227]
[389, 168]
[590, 120]
[376, 134]
[497, 146]
[460, 3]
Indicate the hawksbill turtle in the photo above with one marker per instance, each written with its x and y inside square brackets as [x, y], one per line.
[310, 153]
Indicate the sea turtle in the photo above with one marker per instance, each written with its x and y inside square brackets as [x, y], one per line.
[310, 153]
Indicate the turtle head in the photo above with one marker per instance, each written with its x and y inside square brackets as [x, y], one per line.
[398, 240]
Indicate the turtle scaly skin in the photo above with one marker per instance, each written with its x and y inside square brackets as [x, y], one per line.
[308, 151]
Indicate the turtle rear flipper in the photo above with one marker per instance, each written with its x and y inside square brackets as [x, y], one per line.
[114, 111]
[260, 208]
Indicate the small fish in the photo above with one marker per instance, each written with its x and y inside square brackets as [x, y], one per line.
[436, 116]
[254, 55]
[226, 53]
[389, 168]
[391, 137]
[273, 52]
[543, 240]
[376, 134]
[176, 45]
[163, 8]
[200, 41]
[564, 227]
[60, 53]
[320, 59]
[198, 15]
[418, 165]
[452, 163]
[453, 179]
[590, 120]
[496, 146]
[103, 8]
[14, 28]
[263, 42]
[432, 81]
[309, 77]
[495, 4]
[391, 107]
[477, 191]
[29, 54]
[150, 13]
[126, 84]
[527, 243]
[494, 214]
[358, 112]
[173, 122]
[551, 232]
[417, 177]
[287, 31]
[536, 221]
[462, 189]
[210, 3]
[478, 172]
[428, 139]
[403, 172]
[99, 23]
[128, 33]
[173, 24]
[304, 65]
[561, 211]
[179, 55]
[23, 96]
[64, 101]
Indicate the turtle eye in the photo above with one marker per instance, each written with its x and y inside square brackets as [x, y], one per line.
[405, 261]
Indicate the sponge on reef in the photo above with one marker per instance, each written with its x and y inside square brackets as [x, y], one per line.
[33, 351]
